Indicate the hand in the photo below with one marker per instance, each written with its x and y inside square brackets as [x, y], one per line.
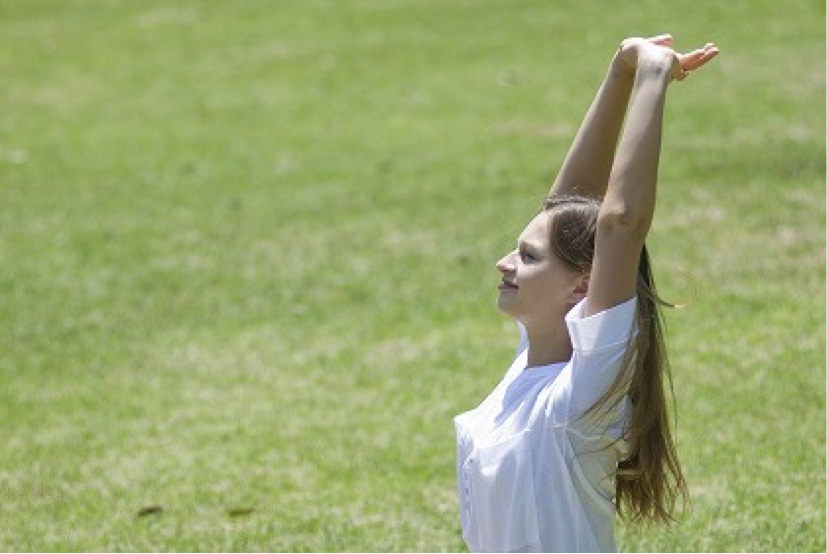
[659, 48]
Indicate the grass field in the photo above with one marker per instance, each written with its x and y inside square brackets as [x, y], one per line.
[247, 262]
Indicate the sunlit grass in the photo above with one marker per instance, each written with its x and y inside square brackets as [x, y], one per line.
[248, 263]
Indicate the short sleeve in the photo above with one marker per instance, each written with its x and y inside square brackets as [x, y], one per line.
[601, 330]
[600, 342]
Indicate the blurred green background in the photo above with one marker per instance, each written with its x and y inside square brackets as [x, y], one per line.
[247, 262]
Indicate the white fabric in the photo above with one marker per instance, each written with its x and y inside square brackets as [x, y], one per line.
[521, 487]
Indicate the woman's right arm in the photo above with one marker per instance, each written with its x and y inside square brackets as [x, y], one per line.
[588, 162]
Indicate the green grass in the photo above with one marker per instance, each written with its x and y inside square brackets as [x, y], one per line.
[247, 262]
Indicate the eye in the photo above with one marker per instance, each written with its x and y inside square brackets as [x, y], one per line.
[526, 256]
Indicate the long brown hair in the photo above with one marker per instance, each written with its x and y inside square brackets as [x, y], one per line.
[649, 479]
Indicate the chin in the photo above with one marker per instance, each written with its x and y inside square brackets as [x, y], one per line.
[507, 306]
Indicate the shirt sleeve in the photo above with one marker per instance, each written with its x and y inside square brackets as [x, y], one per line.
[605, 329]
[599, 344]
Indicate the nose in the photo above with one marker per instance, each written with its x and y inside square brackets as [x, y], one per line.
[506, 263]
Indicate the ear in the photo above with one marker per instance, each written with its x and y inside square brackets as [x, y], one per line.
[581, 288]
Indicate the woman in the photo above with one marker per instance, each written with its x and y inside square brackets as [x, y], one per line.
[578, 426]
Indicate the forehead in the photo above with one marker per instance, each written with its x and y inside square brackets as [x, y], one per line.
[537, 230]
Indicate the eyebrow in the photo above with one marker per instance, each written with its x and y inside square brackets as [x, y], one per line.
[532, 245]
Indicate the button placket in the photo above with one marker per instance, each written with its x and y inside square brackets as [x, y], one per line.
[467, 486]
[467, 451]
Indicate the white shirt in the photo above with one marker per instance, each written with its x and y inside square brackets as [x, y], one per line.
[521, 488]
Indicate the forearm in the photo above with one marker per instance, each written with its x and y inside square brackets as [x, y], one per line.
[588, 163]
[630, 199]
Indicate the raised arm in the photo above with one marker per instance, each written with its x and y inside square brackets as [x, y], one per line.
[629, 205]
[588, 163]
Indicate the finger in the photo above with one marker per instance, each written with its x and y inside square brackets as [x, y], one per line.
[662, 40]
[688, 60]
[707, 57]
[702, 60]
[707, 47]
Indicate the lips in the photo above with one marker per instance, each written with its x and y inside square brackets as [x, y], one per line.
[507, 285]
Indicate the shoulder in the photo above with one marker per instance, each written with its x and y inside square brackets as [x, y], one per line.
[610, 327]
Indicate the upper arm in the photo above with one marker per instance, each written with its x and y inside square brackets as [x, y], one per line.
[614, 272]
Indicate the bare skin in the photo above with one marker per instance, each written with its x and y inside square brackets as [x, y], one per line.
[638, 76]
[589, 161]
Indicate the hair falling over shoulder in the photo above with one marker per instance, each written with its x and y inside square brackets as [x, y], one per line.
[649, 480]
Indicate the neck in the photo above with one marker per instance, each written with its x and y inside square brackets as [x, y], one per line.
[548, 344]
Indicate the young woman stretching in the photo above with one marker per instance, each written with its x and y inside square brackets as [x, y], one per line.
[578, 426]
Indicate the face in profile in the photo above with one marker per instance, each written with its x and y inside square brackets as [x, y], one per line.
[536, 286]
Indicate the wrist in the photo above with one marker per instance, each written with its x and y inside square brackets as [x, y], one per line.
[619, 70]
[621, 66]
[654, 65]
[656, 62]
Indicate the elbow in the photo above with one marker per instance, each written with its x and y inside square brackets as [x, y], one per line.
[623, 219]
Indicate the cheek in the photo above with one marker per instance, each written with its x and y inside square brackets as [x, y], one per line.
[541, 286]
[534, 278]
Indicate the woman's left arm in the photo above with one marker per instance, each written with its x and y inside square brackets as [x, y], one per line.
[629, 205]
